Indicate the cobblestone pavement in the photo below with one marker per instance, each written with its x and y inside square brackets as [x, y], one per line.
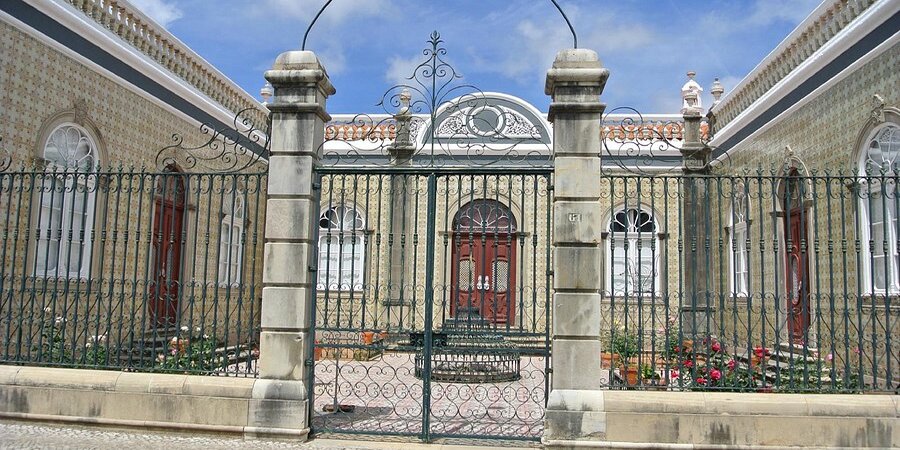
[32, 435]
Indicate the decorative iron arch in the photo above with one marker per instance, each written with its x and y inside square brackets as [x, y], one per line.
[485, 216]
[328, 3]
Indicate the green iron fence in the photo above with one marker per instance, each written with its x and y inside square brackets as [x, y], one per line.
[766, 281]
[128, 269]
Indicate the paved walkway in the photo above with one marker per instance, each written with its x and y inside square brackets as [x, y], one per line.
[31, 435]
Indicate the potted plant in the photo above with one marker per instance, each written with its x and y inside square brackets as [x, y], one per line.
[651, 378]
[626, 345]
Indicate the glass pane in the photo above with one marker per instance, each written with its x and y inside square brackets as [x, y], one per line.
[501, 275]
[466, 281]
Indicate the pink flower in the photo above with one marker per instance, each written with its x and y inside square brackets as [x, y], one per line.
[688, 364]
[716, 347]
[857, 350]
[677, 349]
[715, 374]
[731, 364]
[173, 352]
[701, 380]
[829, 357]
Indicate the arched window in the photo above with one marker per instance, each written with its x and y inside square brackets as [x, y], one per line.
[633, 253]
[342, 249]
[740, 209]
[67, 194]
[231, 238]
[879, 163]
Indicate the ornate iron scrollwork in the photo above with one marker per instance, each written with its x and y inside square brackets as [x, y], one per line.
[5, 157]
[224, 150]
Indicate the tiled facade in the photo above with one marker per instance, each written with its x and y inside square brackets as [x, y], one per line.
[41, 87]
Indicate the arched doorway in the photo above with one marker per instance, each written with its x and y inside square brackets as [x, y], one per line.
[796, 256]
[484, 263]
[167, 236]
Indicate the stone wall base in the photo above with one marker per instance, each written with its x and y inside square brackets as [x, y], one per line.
[700, 420]
[186, 403]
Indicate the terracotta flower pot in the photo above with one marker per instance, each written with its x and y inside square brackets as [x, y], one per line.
[631, 375]
[757, 362]
[609, 360]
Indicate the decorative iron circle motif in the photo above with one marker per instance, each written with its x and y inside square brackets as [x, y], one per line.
[435, 120]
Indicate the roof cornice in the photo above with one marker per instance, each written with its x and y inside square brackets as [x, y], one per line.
[829, 19]
[151, 39]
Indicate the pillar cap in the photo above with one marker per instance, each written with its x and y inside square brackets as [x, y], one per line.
[577, 58]
[579, 66]
[297, 60]
[299, 67]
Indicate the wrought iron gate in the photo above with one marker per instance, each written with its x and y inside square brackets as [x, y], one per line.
[431, 314]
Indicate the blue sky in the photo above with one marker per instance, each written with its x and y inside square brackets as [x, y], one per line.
[497, 45]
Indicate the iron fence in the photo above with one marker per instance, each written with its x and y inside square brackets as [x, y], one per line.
[128, 269]
[781, 281]
[431, 311]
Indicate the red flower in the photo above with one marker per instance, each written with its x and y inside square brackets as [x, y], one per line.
[716, 347]
[677, 349]
[715, 374]
[760, 352]
[701, 380]
[731, 364]
[688, 364]
[673, 373]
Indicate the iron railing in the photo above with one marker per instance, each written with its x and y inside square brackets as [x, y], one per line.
[128, 269]
[780, 281]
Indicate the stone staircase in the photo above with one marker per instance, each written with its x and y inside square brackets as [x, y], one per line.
[783, 358]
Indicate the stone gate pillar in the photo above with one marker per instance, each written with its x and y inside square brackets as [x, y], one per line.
[400, 246]
[575, 407]
[298, 125]
[696, 306]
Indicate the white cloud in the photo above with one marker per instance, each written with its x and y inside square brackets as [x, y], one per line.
[765, 12]
[162, 11]
[337, 11]
[400, 69]
[535, 42]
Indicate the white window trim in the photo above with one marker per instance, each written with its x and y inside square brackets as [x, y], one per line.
[619, 238]
[232, 221]
[71, 188]
[740, 227]
[865, 264]
[332, 242]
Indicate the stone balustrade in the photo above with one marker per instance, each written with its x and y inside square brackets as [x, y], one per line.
[135, 28]
[833, 19]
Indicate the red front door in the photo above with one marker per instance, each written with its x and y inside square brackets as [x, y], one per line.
[483, 277]
[797, 276]
[168, 219]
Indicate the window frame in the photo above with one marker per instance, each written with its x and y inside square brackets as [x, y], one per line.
[76, 181]
[738, 235]
[235, 247]
[865, 191]
[617, 239]
[328, 250]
